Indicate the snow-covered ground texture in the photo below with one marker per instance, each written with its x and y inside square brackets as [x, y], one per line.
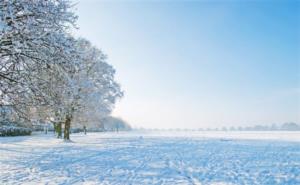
[152, 158]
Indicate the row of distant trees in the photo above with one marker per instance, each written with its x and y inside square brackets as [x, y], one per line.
[289, 126]
[46, 73]
[285, 126]
[110, 123]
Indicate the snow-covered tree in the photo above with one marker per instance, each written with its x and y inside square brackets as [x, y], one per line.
[93, 90]
[42, 67]
[33, 35]
[110, 123]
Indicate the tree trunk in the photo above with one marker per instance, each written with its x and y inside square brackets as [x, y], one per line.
[58, 130]
[67, 128]
[54, 127]
[46, 129]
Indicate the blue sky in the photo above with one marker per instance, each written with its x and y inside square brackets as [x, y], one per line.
[191, 64]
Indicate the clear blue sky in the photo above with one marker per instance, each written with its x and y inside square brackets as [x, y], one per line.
[191, 64]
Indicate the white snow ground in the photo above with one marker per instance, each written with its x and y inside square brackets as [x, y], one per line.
[152, 158]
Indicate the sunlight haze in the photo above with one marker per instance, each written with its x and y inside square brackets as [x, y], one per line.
[199, 64]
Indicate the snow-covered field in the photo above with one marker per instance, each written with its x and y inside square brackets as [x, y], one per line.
[152, 158]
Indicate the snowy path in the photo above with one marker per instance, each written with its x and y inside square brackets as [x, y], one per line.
[127, 158]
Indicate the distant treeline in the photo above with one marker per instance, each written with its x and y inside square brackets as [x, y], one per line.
[279, 127]
[290, 126]
[111, 123]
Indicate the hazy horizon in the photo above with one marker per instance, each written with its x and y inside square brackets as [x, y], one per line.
[199, 64]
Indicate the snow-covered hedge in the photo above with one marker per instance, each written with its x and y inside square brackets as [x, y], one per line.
[76, 130]
[14, 131]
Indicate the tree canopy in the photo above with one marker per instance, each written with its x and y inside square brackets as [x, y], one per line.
[45, 71]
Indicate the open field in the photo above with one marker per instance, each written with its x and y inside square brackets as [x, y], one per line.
[152, 158]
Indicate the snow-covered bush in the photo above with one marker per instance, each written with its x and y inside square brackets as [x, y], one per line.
[14, 131]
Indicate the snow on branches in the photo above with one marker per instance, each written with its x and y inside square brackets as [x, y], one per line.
[33, 33]
[42, 67]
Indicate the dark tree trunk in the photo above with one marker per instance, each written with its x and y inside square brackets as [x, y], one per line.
[67, 128]
[59, 130]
